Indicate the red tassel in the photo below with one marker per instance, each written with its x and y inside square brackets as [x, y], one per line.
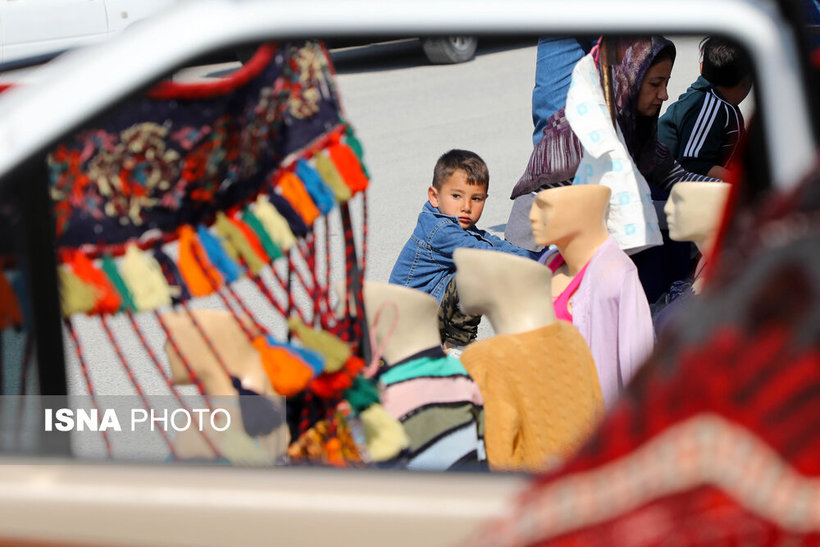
[108, 299]
[347, 162]
[10, 315]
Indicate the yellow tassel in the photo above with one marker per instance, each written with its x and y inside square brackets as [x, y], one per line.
[335, 351]
[330, 174]
[233, 237]
[274, 223]
[143, 276]
[76, 296]
[384, 435]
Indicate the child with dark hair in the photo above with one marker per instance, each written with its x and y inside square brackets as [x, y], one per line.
[455, 201]
[702, 128]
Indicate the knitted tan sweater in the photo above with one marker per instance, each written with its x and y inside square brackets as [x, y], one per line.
[541, 394]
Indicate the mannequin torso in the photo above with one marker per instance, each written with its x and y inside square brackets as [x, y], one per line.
[513, 292]
[573, 218]
[608, 305]
[429, 393]
[537, 377]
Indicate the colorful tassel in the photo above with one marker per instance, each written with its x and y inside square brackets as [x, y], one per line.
[108, 300]
[356, 145]
[361, 394]
[271, 248]
[384, 435]
[348, 165]
[328, 171]
[192, 260]
[251, 237]
[287, 374]
[295, 221]
[179, 291]
[320, 193]
[10, 314]
[76, 296]
[293, 190]
[235, 238]
[334, 350]
[274, 223]
[260, 415]
[311, 358]
[218, 254]
[109, 266]
[144, 279]
[333, 385]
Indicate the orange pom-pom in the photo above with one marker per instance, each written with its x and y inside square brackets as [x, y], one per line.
[287, 373]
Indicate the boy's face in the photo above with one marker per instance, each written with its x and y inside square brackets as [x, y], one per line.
[459, 199]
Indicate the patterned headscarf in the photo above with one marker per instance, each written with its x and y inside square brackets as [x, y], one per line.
[558, 153]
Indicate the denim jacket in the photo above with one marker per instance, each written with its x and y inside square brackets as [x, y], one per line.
[426, 261]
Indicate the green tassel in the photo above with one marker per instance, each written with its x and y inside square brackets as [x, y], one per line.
[361, 394]
[270, 246]
[356, 145]
[110, 269]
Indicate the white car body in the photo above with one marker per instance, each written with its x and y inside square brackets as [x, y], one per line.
[30, 28]
[62, 501]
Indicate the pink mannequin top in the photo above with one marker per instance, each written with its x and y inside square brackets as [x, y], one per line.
[561, 304]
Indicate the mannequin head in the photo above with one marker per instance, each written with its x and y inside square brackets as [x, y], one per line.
[573, 218]
[693, 212]
[413, 320]
[512, 291]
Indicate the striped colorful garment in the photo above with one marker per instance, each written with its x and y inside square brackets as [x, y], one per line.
[440, 407]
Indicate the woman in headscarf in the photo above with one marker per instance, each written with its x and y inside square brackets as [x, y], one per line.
[639, 86]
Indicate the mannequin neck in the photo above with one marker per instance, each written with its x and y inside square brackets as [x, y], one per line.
[404, 321]
[578, 250]
[514, 316]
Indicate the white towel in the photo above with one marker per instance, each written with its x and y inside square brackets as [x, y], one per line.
[632, 219]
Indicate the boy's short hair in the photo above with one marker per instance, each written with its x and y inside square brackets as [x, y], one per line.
[724, 64]
[469, 162]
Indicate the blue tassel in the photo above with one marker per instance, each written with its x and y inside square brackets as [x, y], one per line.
[179, 290]
[320, 193]
[311, 358]
[217, 255]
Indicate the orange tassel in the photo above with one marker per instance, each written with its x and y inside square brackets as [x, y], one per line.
[293, 190]
[108, 299]
[199, 283]
[287, 374]
[348, 165]
[10, 315]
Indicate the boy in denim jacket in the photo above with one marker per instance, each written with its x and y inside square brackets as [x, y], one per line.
[447, 221]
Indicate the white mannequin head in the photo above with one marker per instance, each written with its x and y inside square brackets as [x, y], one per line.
[512, 291]
[410, 314]
[693, 212]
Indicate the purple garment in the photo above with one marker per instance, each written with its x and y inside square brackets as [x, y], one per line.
[611, 312]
